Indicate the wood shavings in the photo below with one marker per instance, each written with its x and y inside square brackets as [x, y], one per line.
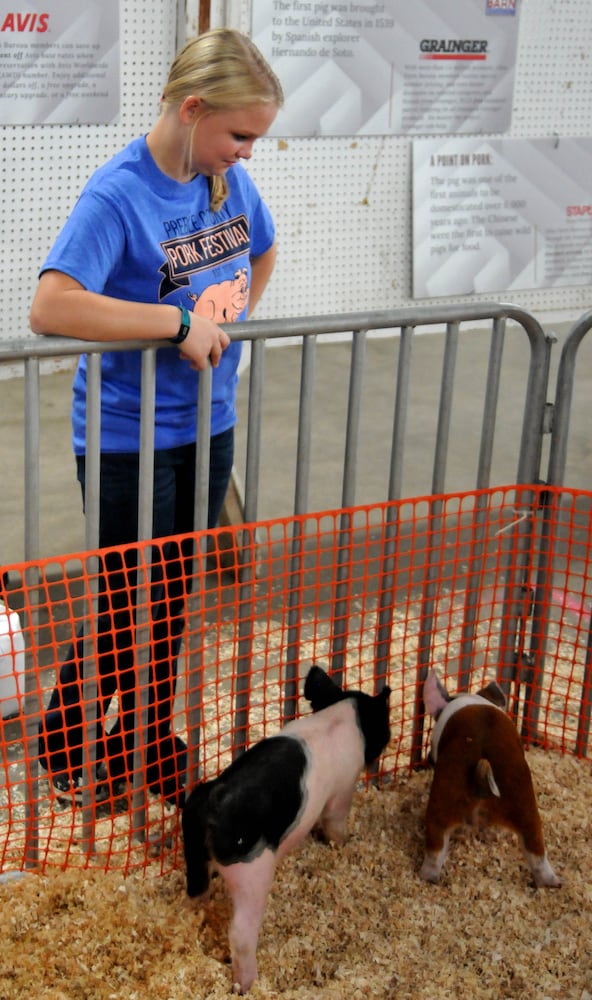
[351, 922]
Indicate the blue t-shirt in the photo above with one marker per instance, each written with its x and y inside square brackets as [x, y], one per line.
[139, 235]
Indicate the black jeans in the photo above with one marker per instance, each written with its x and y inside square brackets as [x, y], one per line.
[61, 731]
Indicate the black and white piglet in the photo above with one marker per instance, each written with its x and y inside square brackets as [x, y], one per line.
[480, 777]
[265, 803]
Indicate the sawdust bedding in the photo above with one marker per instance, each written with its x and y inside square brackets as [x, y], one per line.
[351, 922]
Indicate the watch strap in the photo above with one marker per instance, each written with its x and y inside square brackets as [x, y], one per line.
[184, 327]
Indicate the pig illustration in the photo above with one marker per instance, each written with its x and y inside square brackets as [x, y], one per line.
[481, 777]
[242, 823]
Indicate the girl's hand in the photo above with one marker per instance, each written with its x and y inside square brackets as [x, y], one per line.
[204, 343]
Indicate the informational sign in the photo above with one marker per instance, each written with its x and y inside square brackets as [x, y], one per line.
[494, 216]
[59, 62]
[390, 66]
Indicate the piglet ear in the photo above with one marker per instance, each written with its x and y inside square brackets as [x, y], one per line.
[435, 695]
[320, 690]
[494, 694]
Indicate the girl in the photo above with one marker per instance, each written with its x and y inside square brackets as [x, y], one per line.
[167, 240]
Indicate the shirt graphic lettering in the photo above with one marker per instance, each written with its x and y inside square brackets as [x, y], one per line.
[201, 250]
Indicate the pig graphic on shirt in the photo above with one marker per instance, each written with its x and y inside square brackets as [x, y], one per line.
[223, 301]
[480, 777]
[242, 823]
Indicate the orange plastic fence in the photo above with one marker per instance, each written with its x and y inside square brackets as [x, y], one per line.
[373, 594]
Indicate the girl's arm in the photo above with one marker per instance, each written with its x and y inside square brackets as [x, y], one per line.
[261, 268]
[63, 306]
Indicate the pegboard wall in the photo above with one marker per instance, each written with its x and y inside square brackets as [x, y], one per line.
[44, 167]
[342, 204]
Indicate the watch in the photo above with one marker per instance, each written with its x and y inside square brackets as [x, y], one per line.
[184, 328]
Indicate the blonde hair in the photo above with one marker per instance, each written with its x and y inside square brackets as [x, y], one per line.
[227, 71]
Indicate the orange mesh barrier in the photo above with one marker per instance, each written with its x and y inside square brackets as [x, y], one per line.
[480, 585]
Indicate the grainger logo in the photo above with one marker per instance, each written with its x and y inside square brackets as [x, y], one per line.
[454, 48]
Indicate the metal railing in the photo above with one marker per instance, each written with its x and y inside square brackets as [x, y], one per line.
[357, 326]
[535, 657]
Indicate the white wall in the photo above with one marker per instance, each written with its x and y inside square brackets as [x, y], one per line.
[342, 204]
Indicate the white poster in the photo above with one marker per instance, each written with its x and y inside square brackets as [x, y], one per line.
[59, 62]
[494, 216]
[395, 66]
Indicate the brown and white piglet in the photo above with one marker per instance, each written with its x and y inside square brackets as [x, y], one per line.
[480, 777]
[243, 822]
